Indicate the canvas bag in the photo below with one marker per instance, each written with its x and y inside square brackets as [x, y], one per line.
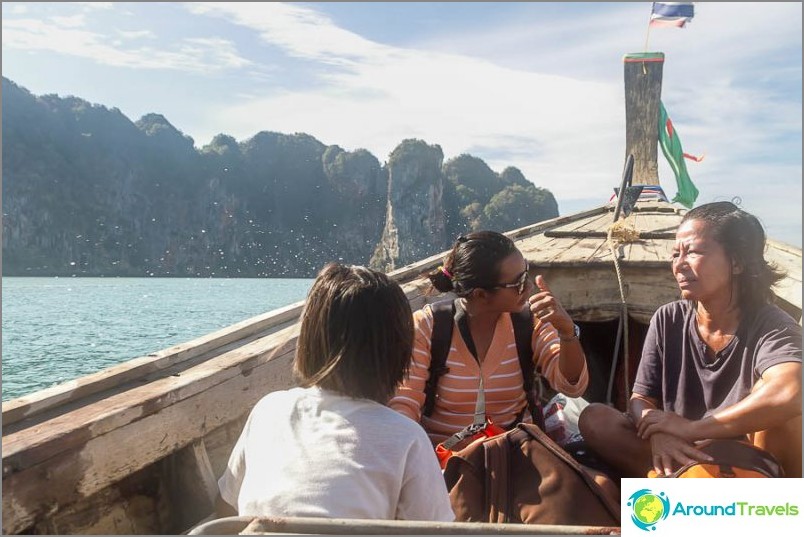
[733, 458]
[523, 476]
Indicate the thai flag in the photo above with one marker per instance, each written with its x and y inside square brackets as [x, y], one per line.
[675, 14]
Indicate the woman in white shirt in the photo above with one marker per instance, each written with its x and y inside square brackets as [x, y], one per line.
[331, 448]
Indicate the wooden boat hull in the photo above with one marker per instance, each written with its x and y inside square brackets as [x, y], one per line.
[136, 448]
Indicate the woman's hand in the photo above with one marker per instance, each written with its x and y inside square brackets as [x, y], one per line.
[670, 452]
[547, 308]
[571, 359]
[658, 421]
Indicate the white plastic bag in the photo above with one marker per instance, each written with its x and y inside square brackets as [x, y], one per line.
[561, 418]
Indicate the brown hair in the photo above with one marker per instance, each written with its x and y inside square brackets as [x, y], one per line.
[473, 263]
[356, 333]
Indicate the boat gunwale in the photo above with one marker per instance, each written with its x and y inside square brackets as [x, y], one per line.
[250, 525]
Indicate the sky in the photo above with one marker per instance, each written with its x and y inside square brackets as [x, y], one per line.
[535, 85]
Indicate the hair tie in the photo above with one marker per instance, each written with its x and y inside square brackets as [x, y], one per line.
[445, 271]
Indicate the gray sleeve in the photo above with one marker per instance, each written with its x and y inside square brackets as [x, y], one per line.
[648, 380]
[781, 343]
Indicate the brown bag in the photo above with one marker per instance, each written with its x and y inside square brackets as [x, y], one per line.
[523, 476]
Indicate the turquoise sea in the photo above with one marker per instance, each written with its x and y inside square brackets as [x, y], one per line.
[58, 329]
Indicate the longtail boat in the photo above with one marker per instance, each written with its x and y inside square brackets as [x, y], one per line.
[136, 448]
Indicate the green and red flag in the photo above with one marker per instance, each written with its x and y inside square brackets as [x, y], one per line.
[671, 147]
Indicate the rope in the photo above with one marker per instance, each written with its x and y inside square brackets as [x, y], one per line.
[621, 232]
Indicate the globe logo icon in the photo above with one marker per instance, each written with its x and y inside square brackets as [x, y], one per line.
[648, 508]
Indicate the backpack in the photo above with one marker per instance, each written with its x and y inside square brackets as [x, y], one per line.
[733, 458]
[444, 312]
[523, 476]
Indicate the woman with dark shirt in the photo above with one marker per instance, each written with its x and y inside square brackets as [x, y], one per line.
[722, 362]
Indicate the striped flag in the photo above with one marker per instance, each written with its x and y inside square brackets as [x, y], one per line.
[671, 147]
[675, 14]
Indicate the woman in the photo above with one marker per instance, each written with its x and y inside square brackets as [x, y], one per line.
[723, 362]
[490, 277]
[331, 448]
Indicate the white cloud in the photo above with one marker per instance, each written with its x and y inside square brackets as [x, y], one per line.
[17, 9]
[191, 55]
[91, 6]
[73, 21]
[302, 32]
[136, 34]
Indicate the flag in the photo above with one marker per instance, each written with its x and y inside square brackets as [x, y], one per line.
[675, 14]
[671, 147]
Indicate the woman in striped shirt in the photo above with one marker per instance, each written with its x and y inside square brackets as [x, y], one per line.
[490, 277]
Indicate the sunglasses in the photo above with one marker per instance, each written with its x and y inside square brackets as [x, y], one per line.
[519, 284]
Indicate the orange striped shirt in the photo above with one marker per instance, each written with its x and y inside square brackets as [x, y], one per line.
[502, 377]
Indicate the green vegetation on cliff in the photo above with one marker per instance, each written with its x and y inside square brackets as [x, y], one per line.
[86, 191]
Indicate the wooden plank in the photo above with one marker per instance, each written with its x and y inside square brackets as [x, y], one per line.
[788, 259]
[643, 90]
[414, 270]
[643, 235]
[189, 484]
[132, 507]
[534, 229]
[591, 223]
[88, 468]
[220, 441]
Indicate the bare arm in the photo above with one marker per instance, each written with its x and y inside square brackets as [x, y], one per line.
[639, 404]
[668, 448]
[572, 359]
[775, 399]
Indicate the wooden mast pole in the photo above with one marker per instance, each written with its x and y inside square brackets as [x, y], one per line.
[643, 91]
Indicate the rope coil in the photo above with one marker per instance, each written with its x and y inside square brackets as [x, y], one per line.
[623, 231]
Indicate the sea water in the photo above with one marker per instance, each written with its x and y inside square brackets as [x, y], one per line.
[58, 329]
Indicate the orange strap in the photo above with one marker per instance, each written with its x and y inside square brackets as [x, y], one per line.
[491, 429]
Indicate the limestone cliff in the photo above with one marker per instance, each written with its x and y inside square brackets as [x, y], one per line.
[88, 192]
[415, 217]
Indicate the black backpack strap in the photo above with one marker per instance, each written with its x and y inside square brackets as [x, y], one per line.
[523, 334]
[440, 340]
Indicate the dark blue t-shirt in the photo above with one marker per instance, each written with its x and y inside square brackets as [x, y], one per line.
[674, 369]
